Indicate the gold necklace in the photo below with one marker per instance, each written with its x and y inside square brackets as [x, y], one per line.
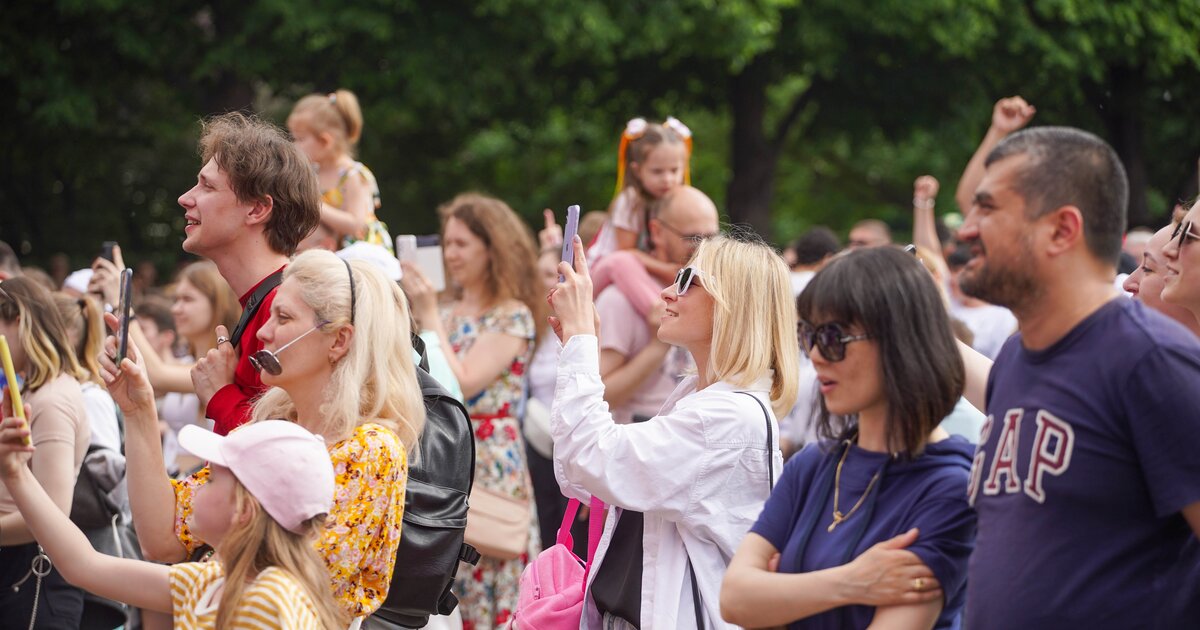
[838, 517]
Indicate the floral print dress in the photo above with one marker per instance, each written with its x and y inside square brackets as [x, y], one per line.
[362, 531]
[488, 594]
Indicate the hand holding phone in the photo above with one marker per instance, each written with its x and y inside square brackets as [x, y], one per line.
[572, 228]
[14, 390]
[106, 250]
[125, 313]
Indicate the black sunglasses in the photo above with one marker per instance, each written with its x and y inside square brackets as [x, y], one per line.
[829, 338]
[1184, 233]
[266, 361]
[685, 277]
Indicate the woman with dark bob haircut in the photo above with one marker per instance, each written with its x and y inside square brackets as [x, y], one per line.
[870, 527]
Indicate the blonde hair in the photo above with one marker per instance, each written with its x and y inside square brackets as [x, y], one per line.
[43, 337]
[83, 321]
[336, 113]
[259, 543]
[754, 318]
[226, 310]
[512, 250]
[377, 380]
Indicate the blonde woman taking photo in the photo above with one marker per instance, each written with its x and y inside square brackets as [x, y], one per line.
[697, 473]
[338, 362]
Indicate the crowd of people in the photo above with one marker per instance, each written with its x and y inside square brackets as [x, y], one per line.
[990, 427]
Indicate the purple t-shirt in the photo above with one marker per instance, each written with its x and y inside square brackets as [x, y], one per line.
[1090, 450]
[928, 492]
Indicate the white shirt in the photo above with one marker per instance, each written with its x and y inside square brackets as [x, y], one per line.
[698, 471]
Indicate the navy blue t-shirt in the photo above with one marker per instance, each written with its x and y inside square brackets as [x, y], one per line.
[928, 492]
[1090, 450]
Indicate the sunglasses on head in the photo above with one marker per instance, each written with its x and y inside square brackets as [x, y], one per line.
[1184, 233]
[685, 277]
[829, 338]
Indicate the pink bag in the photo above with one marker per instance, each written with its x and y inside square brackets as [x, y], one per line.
[550, 595]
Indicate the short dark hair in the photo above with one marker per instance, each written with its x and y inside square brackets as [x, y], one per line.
[260, 161]
[888, 293]
[9, 263]
[1071, 167]
[815, 245]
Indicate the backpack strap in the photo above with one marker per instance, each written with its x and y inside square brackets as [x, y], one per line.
[267, 285]
[418, 344]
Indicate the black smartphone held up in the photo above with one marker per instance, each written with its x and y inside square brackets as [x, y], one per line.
[106, 250]
[125, 312]
[569, 232]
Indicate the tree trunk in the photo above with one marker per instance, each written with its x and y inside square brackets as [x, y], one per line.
[1122, 114]
[753, 158]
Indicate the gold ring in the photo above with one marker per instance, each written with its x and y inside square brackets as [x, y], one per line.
[919, 584]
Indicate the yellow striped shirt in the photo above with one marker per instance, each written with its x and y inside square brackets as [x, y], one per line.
[272, 601]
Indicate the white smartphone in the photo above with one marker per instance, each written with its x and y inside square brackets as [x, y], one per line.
[426, 253]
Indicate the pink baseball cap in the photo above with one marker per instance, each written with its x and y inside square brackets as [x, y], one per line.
[284, 466]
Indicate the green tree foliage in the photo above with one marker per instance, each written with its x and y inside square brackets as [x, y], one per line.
[805, 111]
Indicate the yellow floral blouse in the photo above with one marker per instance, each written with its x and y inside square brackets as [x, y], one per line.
[363, 530]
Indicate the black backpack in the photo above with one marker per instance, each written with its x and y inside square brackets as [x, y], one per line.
[435, 512]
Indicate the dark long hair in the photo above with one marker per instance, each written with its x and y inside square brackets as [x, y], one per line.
[887, 293]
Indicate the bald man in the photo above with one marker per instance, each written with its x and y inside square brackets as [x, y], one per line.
[633, 362]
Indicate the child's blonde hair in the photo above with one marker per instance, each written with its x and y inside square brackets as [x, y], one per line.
[376, 381]
[639, 138]
[84, 324]
[754, 318]
[336, 113]
[258, 543]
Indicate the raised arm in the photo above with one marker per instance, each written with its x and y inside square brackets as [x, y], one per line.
[1009, 115]
[141, 584]
[491, 354]
[151, 497]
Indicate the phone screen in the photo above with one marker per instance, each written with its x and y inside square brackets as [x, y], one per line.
[125, 312]
[569, 232]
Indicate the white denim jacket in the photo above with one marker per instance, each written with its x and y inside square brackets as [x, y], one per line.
[698, 471]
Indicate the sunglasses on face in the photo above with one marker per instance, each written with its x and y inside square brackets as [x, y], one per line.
[1184, 233]
[829, 338]
[685, 278]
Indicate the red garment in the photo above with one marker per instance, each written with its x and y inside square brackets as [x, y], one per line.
[230, 407]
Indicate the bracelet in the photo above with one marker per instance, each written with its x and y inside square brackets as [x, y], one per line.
[923, 204]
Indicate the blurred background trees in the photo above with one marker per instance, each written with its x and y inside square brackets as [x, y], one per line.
[805, 111]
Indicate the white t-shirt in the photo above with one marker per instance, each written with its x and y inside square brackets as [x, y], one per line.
[102, 416]
[800, 279]
[992, 325]
[628, 213]
[625, 331]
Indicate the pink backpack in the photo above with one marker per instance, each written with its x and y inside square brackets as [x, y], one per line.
[550, 596]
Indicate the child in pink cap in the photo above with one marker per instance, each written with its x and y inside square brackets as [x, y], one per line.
[272, 484]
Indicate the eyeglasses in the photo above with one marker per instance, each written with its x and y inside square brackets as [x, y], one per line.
[1184, 233]
[829, 338]
[685, 277]
[694, 239]
[266, 361]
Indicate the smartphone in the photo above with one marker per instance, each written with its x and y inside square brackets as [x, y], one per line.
[125, 312]
[569, 232]
[14, 386]
[424, 251]
[406, 248]
[106, 250]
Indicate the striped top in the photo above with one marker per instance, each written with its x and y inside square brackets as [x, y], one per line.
[274, 600]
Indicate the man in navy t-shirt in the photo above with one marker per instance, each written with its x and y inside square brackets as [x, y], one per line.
[1087, 477]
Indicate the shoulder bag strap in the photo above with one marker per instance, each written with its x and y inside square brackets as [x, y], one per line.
[696, 607]
[266, 286]
[770, 441]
